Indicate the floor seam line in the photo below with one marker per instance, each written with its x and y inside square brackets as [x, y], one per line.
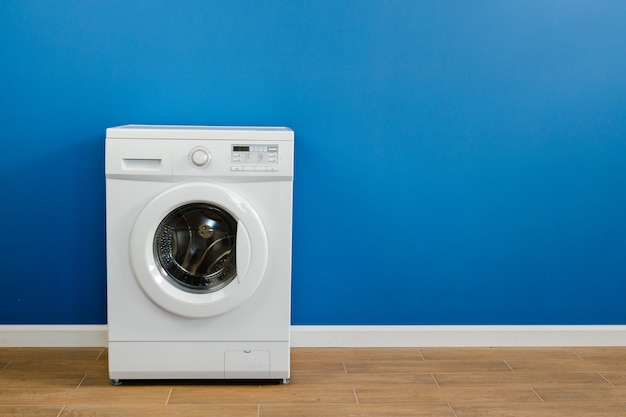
[169, 395]
[603, 377]
[537, 394]
[356, 397]
[81, 381]
[421, 354]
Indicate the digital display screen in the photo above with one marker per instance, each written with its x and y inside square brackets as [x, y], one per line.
[241, 149]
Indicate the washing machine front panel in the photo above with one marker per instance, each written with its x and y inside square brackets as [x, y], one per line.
[198, 250]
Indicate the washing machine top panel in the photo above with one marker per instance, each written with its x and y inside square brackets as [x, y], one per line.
[146, 152]
[253, 133]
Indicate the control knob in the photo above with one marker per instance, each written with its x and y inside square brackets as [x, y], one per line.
[200, 156]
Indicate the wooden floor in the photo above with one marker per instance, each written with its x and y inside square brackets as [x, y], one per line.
[446, 382]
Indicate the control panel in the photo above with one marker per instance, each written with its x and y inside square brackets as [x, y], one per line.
[254, 158]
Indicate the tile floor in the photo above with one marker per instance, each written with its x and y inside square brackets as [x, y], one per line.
[355, 382]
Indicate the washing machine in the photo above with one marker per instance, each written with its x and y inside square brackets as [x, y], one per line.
[199, 223]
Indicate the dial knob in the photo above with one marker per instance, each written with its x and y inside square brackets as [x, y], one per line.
[200, 157]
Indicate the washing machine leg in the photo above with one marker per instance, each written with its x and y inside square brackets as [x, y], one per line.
[116, 382]
[284, 381]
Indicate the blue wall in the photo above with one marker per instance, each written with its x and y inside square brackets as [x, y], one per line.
[458, 162]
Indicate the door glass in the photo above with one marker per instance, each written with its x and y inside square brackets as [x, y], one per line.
[195, 247]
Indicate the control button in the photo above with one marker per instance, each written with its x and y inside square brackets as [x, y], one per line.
[236, 169]
[272, 169]
[248, 169]
[260, 169]
[200, 156]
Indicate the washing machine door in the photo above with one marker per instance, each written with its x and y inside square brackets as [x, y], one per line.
[198, 250]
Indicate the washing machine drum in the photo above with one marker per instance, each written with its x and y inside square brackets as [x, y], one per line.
[195, 247]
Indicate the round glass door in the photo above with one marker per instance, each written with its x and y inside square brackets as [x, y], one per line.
[195, 247]
[196, 257]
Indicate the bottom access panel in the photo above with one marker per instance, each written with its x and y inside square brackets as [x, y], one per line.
[199, 360]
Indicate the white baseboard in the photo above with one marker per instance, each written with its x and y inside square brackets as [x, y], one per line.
[457, 336]
[355, 336]
[53, 335]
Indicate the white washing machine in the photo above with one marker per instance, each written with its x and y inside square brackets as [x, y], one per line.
[199, 223]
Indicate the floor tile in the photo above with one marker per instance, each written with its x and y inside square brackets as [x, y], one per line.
[261, 395]
[567, 366]
[356, 380]
[324, 366]
[34, 396]
[29, 411]
[161, 411]
[529, 379]
[351, 354]
[51, 354]
[15, 379]
[609, 353]
[360, 410]
[121, 395]
[535, 354]
[419, 366]
[445, 395]
[57, 366]
[539, 410]
[596, 395]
